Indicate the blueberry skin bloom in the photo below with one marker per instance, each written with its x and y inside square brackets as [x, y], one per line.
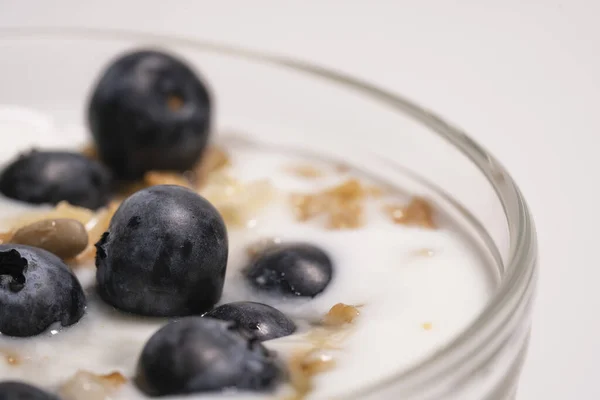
[149, 111]
[11, 390]
[198, 354]
[49, 177]
[262, 321]
[164, 254]
[36, 290]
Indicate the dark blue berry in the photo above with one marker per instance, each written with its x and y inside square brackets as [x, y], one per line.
[36, 290]
[297, 269]
[149, 111]
[263, 321]
[10, 390]
[41, 177]
[198, 354]
[164, 254]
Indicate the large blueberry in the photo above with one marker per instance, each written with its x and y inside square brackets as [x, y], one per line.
[198, 354]
[11, 390]
[263, 321]
[36, 290]
[164, 254]
[295, 269]
[149, 111]
[53, 176]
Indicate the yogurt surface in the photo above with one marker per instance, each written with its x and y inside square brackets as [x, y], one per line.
[415, 289]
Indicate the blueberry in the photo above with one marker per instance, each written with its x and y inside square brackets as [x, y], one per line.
[296, 269]
[10, 390]
[263, 321]
[198, 354]
[36, 290]
[40, 177]
[164, 254]
[149, 111]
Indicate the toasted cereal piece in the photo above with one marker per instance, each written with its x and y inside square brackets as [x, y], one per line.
[340, 314]
[418, 212]
[305, 171]
[86, 385]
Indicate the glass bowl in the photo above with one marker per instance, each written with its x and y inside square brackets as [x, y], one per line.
[285, 102]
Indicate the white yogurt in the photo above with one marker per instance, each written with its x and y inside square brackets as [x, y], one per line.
[411, 303]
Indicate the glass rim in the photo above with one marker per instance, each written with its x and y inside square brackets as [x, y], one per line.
[517, 283]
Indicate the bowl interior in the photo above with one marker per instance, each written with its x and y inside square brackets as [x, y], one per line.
[46, 80]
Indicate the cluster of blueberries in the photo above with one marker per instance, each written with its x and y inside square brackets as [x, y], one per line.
[165, 252]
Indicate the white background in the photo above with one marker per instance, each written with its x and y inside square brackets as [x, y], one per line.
[521, 76]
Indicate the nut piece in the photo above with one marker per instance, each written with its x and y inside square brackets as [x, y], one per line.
[63, 237]
[89, 386]
[340, 314]
[62, 210]
[96, 223]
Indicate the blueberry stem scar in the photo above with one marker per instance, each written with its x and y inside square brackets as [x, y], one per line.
[13, 265]
[100, 252]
